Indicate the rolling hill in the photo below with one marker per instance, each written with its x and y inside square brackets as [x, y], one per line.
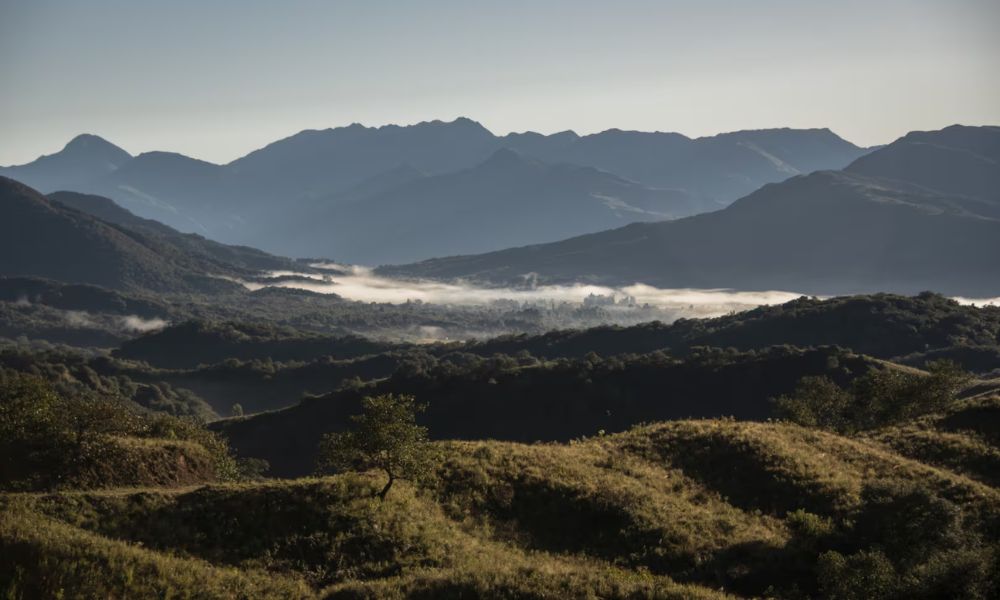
[707, 509]
[878, 225]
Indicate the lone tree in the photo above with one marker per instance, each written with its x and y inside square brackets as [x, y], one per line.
[385, 436]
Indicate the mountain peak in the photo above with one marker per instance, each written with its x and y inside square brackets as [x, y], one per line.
[94, 144]
[467, 122]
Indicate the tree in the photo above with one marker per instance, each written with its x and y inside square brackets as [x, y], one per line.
[385, 436]
[816, 402]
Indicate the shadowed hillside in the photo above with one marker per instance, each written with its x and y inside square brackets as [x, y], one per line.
[88, 239]
[524, 399]
[508, 200]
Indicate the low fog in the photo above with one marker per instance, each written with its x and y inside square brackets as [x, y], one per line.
[361, 284]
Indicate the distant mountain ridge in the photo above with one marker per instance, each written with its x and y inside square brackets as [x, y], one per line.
[273, 188]
[901, 219]
[721, 167]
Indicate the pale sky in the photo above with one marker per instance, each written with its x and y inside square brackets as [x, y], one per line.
[216, 79]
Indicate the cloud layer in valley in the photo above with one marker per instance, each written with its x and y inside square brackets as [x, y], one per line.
[359, 283]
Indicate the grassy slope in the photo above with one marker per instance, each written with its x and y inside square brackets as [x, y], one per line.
[965, 439]
[678, 509]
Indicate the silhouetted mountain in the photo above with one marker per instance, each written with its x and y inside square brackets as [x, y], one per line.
[858, 230]
[261, 198]
[40, 237]
[507, 200]
[84, 159]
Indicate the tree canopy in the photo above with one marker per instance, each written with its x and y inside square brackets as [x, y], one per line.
[385, 436]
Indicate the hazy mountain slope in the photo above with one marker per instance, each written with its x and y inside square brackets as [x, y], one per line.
[828, 232]
[185, 193]
[84, 159]
[963, 161]
[40, 237]
[210, 255]
[507, 200]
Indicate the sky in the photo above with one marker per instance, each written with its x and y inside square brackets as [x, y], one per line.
[216, 79]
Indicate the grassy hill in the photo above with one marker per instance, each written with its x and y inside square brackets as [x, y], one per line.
[687, 509]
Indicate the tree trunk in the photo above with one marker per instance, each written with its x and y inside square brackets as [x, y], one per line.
[385, 490]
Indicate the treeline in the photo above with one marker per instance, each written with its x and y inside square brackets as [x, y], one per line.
[881, 325]
[524, 398]
[71, 373]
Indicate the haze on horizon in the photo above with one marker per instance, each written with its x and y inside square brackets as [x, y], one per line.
[216, 80]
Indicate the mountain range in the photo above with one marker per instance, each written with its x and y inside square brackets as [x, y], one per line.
[921, 213]
[309, 194]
